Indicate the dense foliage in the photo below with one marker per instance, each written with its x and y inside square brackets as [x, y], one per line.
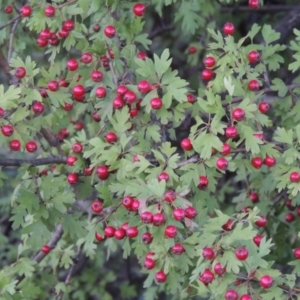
[150, 150]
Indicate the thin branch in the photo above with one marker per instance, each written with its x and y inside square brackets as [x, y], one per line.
[12, 80]
[11, 38]
[160, 30]
[34, 162]
[111, 67]
[10, 22]
[191, 160]
[261, 9]
[66, 4]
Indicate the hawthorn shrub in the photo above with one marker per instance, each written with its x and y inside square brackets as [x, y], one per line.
[150, 150]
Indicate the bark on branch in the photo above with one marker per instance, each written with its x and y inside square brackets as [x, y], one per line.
[4, 162]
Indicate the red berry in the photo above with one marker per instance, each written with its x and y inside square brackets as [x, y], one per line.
[79, 126]
[253, 57]
[72, 64]
[264, 107]
[160, 277]
[177, 249]
[2, 112]
[225, 149]
[41, 42]
[238, 114]
[53, 86]
[104, 61]
[109, 231]
[228, 28]
[297, 253]
[63, 33]
[222, 163]
[101, 92]
[207, 277]
[257, 239]
[118, 103]
[253, 3]
[142, 55]
[121, 90]
[262, 222]
[99, 237]
[170, 196]
[259, 136]
[110, 31]
[254, 197]
[139, 9]
[96, 27]
[133, 112]
[77, 148]
[38, 107]
[97, 207]
[7, 130]
[290, 205]
[208, 253]
[63, 83]
[179, 214]
[86, 58]
[207, 74]
[43, 93]
[97, 76]
[147, 238]
[129, 97]
[88, 171]
[295, 177]
[219, 269]
[229, 225]
[270, 161]
[20, 72]
[46, 249]
[68, 25]
[127, 202]
[170, 231]
[96, 117]
[192, 50]
[163, 176]
[149, 263]
[147, 217]
[8, 9]
[72, 178]
[241, 253]
[111, 137]
[156, 103]
[31, 146]
[231, 295]
[246, 297]
[135, 205]
[49, 11]
[144, 86]
[25, 11]
[186, 144]
[289, 217]
[266, 281]
[71, 160]
[231, 132]
[203, 182]
[132, 232]
[102, 172]
[257, 162]
[209, 62]
[190, 98]
[158, 219]
[253, 85]
[78, 91]
[15, 145]
[190, 212]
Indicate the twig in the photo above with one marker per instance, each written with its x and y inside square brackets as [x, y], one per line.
[10, 22]
[34, 162]
[11, 38]
[276, 201]
[191, 160]
[161, 30]
[66, 4]
[12, 80]
[261, 9]
[111, 67]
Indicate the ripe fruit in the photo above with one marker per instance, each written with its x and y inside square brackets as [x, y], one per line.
[7, 130]
[158, 219]
[207, 74]
[190, 212]
[96, 117]
[219, 269]
[142, 55]
[77, 148]
[179, 214]
[254, 197]
[231, 132]
[229, 225]
[99, 237]
[20, 72]
[132, 232]
[139, 9]
[41, 42]
[79, 126]
[31, 146]
[170, 196]
[63, 83]
[207, 277]
[49, 11]
[100, 92]
[71, 160]
[97, 76]
[46, 249]
[160, 277]
[192, 50]
[222, 163]
[25, 11]
[238, 114]
[170, 231]
[231, 295]
[209, 62]
[262, 222]
[297, 253]
[259, 136]
[8, 9]
[102, 172]
[111, 137]
[96, 27]
[253, 85]
[135, 205]
[118, 103]
[225, 149]
[78, 91]
[63, 33]
[144, 86]
[147, 217]
[15, 145]
[97, 207]
[203, 182]
[257, 162]
[72, 64]
[127, 202]
[246, 297]
[253, 57]
[121, 90]
[253, 3]
[156, 103]
[186, 144]
[264, 107]
[163, 176]
[208, 253]
[72, 178]
[109, 231]
[228, 28]
[190, 98]
[149, 263]
[86, 58]
[68, 25]
[289, 217]
[53, 86]
[241, 253]
[38, 107]
[129, 97]
[290, 205]
[147, 238]
[266, 281]
[257, 239]
[119, 233]
[177, 249]
[270, 161]
[110, 31]
[294, 177]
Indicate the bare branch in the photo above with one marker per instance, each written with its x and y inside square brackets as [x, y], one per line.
[11, 38]
[10, 22]
[34, 162]
[261, 9]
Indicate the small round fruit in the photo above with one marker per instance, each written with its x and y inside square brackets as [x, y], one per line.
[149, 263]
[111, 137]
[20, 72]
[7, 130]
[78, 91]
[253, 3]
[88, 171]
[77, 148]
[144, 86]
[46, 249]
[41, 42]
[192, 50]
[38, 108]
[257, 162]
[135, 205]
[53, 85]
[229, 225]
[72, 64]
[100, 92]
[147, 238]
[129, 97]
[97, 76]
[177, 249]
[295, 177]
[222, 163]
[99, 237]
[266, 281]
[186, 144]
[231, 295]
[102, 172]
[228, 28]
[121, 90]
[96, 27]
[190, 212]
[25, 11]
[147, 217]
[96, 116]
[156, 103]
[238, 114]
[253, 85]
[241, 253]
[110, 31]
[158, 219]
[31, 146]
[264, 107]
[132, 232]
[257, 239]
[246, 297]
[253, 57]
[231, 132]
[63, 33]
[170, 231]
[49, 11]
[296, 253]
[226, 149]
[270, 161]
[86, 58]
[170, 196]
[262, 222]
[209, 62]
[142, 55]
[118, 103]
[207, 277]
[163, 176]
[160, 277]
[8, 9]
[127, 202]
[109, 231]
[289, 205]
[208, 253]
[71, 160]
[15, 145]
[97, 207]
[179, 214]
[203, 182]
[190, 98]
[139, 9]
[207, 74]
[72, 178]
[68, 25]
[219, 269]
[289, 217]
[254, 197]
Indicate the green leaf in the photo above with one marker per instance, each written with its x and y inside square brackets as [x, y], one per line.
[269, 34]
